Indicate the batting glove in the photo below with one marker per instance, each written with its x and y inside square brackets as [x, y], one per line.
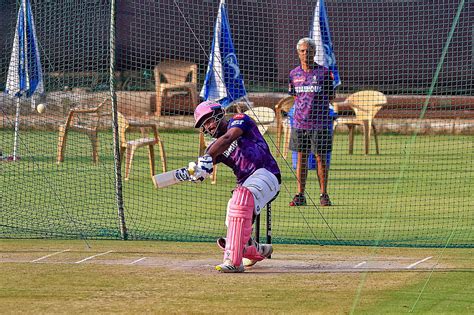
[205, 164]
[196, 174]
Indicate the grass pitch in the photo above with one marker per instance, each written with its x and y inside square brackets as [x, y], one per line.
[179, 278]
[417, 192]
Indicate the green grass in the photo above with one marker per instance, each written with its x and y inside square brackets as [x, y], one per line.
[108, 284]
[445, 293]
[413, 194]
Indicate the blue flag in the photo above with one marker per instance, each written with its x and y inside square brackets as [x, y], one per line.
[322, 36]
[25, 76]
[223, 82]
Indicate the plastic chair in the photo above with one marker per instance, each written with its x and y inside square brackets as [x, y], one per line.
[366, 105]
[84, 120]
[282, 124]
[263, 117]
[130, 146]
[178, 76]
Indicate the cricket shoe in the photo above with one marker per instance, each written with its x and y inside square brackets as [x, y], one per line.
[265, 250]
[247, 262]
[228, 267]
[298, 200]
[324, 200]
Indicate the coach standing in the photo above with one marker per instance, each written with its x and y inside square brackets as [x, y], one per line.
[311, 85]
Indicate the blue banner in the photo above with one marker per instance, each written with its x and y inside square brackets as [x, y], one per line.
[322, 36]
[25, 76]
[223, 82]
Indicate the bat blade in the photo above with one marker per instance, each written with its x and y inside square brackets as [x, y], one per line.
[170, 178]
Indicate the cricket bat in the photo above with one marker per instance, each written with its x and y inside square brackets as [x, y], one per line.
[173, 177]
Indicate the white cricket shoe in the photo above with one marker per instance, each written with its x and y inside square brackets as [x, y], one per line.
[249, 262]
[228, 267]
[265, 249]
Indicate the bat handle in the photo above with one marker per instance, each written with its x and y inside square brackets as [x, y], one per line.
[191, 168]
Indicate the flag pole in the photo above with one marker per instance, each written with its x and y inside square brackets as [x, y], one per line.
[17, 120]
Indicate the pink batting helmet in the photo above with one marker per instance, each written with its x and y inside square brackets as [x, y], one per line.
[205, 110]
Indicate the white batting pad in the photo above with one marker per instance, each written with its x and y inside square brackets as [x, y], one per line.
[264, 187]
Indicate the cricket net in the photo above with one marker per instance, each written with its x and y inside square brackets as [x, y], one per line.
[111, 69]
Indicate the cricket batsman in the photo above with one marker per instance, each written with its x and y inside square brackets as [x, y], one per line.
[239, 145]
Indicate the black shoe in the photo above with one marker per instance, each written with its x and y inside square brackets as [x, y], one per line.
[324, 200]
[298, 200]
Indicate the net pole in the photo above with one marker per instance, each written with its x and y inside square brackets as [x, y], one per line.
[116, 136]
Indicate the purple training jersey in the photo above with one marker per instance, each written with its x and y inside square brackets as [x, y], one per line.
[312, 91]
[249, 152]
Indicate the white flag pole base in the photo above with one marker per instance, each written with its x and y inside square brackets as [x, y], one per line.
[17, 122]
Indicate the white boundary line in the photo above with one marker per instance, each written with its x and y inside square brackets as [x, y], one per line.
[44, 257]
[419, 262]
[138, 260]
[88, 258]
[360, 264]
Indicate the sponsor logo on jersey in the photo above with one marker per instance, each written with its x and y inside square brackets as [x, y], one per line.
[236, 123]
[308, 89]
[238, 116]
[230, 149]
[299, 79]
